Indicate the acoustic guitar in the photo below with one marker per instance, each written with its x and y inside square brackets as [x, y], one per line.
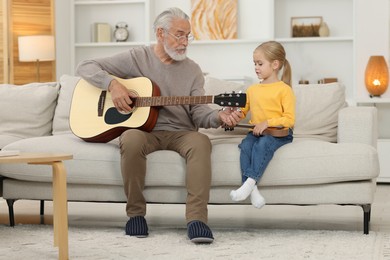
[94, 118]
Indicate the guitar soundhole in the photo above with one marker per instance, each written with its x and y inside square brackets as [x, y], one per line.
[113, 116]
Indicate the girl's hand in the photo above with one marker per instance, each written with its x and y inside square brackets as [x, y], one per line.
[259, 128]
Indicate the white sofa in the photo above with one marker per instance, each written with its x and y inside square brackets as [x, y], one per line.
[332, 160]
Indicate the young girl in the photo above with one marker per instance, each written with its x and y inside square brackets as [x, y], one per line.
[272, 104]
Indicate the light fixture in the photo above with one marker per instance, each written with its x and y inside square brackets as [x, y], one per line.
[376, 76]
[36, 48]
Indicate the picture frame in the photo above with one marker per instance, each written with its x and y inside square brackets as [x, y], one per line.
[305, 26]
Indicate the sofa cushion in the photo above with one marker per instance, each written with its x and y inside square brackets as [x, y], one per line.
[214, 86]
[317, 107]
[93, 162]
[7, 139]
[61, 114]
[27, 110]
[302, 162]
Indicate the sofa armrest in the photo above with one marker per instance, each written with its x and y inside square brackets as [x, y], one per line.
[358, 125]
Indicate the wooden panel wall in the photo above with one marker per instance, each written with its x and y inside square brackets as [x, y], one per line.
[3, 43]
[30, 17]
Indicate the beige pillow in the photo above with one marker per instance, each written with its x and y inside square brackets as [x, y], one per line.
[61, 115]
[214, 87]
[317, 107]
[27, 110]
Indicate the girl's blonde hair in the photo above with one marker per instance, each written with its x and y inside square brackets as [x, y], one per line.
[274, 51]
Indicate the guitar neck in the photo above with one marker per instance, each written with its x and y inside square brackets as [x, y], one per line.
[245, 126]
[172, 101]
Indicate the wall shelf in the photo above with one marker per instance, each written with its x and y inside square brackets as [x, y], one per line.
[281, 40]
[315, 39]
[373, 100]
[112, 2]
[108, 44]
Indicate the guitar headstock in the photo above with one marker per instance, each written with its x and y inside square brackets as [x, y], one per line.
[230, 99]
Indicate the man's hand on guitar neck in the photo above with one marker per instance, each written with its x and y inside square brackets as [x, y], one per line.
[230, 116]
[120, 96]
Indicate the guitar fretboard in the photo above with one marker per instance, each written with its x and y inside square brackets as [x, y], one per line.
[172, 101]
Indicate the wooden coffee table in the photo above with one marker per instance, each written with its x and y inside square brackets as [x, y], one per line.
[60, 209]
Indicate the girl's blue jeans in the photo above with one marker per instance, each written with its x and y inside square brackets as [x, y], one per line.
[257, 152]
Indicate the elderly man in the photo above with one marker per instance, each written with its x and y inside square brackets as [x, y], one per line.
[166, 64]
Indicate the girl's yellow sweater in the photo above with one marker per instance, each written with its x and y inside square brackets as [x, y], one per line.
[274, 102]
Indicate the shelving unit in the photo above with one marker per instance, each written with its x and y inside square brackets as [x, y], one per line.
[264, 20]
[84, 13]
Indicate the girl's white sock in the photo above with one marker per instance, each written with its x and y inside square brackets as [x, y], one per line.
[257, 200]
[244, 191]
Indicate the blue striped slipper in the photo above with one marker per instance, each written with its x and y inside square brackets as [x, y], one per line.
[137, 226]
[199, 232]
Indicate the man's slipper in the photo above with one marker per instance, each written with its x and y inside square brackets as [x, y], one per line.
[137, 226]
[199, 232]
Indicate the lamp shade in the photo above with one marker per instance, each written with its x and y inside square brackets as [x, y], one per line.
[36, 47]
[376, 76]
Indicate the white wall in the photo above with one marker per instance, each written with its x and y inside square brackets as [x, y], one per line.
[372, 35]
[62, 28]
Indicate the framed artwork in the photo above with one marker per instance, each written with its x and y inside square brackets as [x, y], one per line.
[214, 19]
[305, 26]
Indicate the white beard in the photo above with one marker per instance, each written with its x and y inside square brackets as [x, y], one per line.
[174, 55]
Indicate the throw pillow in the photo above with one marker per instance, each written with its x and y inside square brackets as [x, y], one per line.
[27, 110]
[317, 107]
[61, 115]
[214, 86]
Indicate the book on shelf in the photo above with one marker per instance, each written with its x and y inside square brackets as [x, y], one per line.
[9, 153]
[327, 80]
[101, 32]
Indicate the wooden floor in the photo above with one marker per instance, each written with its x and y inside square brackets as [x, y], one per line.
[327, 217]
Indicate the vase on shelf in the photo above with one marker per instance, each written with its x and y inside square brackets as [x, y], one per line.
[324, 30]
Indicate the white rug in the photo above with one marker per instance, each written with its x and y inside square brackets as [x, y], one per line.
[36, 242]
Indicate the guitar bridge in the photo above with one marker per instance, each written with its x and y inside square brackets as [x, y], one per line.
[101, 101]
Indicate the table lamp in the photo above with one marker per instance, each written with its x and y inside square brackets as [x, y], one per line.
[376, 76]
[36, 48]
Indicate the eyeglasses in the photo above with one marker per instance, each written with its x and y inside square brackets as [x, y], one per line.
[182, 39]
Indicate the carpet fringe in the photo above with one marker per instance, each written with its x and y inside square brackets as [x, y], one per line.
[386, 246]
